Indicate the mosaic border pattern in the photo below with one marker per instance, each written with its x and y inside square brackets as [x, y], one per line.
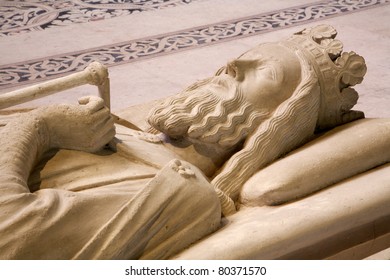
[135, 50]
[23, 16]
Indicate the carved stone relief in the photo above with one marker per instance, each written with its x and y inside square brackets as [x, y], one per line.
[210, 154]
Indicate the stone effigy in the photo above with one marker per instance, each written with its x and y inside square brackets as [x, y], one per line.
[65, 194]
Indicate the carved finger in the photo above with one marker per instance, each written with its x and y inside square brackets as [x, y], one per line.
[99, 117]
[105, 138]
[92, 103]
[109, 122]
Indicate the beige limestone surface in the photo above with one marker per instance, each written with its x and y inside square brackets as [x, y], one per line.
[333, 157]
[342, 216]
[172, 72]
[338, 227]
[382, 255]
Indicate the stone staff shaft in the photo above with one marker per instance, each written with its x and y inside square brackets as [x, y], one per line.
[95, 74]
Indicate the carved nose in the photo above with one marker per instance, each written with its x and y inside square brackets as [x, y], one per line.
[237, 69]
[231, 69]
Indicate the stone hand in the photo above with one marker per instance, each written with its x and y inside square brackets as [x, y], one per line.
[86, 127]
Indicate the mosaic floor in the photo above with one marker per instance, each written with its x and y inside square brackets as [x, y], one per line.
[34, 15]
[156, 47]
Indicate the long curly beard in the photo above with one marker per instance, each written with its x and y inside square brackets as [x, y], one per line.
[210, 111]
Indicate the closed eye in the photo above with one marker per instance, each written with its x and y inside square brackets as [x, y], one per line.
[268, 71]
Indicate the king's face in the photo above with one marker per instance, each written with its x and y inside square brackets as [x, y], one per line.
[267, 75]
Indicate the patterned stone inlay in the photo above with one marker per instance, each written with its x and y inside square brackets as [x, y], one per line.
[24, 16]
[40, 69]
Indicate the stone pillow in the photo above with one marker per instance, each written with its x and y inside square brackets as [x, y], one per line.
[337, 155]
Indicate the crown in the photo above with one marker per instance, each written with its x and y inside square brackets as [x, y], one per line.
[337, 72]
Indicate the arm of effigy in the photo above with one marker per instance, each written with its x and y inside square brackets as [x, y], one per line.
[85, 127]
[33, 225]
[337, 155]
[22, 143]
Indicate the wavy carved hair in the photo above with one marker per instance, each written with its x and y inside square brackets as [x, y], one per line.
[204, 116]
[292, 123]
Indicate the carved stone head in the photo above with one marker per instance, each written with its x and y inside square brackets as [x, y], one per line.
[224, 109]
[272, 99]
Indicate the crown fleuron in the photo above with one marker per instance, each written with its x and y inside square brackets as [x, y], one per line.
[337, 72]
